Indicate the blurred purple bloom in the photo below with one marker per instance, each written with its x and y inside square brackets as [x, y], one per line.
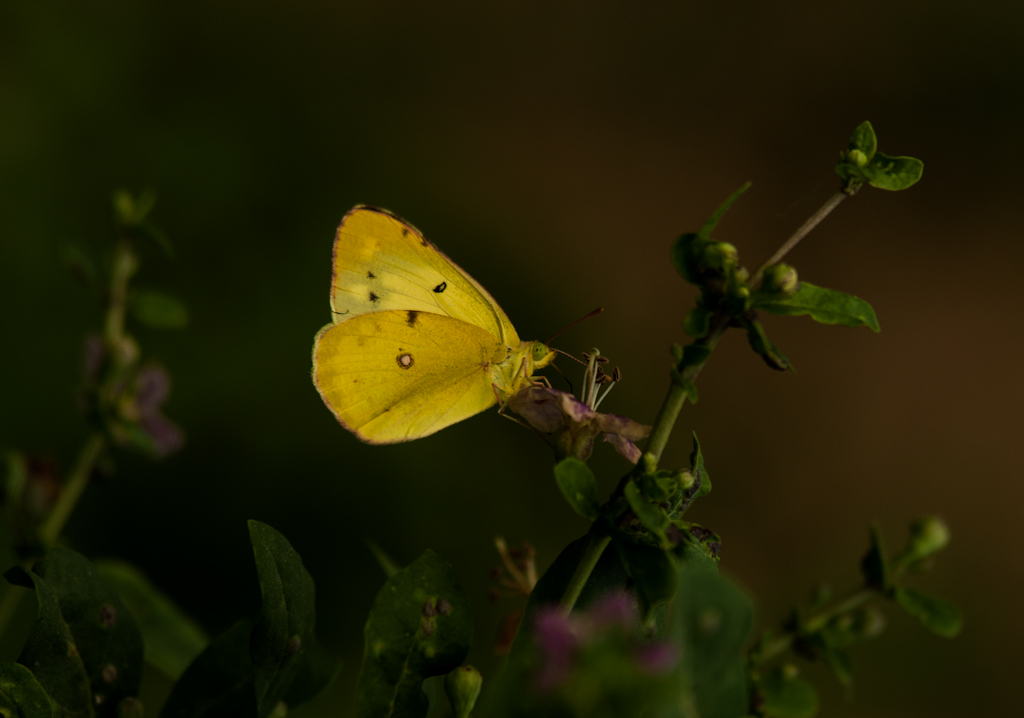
[558, 641]
[549, 409]
[152, 387]
[657, 658]
[142, 423]
[615, 609]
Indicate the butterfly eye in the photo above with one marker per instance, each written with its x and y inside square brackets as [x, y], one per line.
[539, 351]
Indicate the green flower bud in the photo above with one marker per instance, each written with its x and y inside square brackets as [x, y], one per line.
[718, 254]
[781, 278]
[685, 479]
[463, 688]
[927, 536]
[857, 157]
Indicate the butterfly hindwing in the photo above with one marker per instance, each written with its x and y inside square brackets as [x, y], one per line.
[399, 375]
[383, 263]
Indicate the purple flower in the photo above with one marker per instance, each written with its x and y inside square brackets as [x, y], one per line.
[548, 410]
[151, 390]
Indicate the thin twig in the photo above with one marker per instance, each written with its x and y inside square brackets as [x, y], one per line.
[804, 230]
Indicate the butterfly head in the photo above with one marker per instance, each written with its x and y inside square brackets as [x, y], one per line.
[541, 355]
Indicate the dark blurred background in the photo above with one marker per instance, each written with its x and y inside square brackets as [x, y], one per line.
[554, 150]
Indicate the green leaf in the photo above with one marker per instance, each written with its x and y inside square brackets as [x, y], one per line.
[21, 696]
[419, 626]
[172, 639]
[691, 391]
[653, 573]
[785, 695]
[700, 474]
[283, 643]
[936, 614]
[712, 620]
[893, 173]
[825, 306]
[50, 649]
[875, 564]
[218, 682]
[708, 227]
[839, 661]
[91, 618]
[698, 322]
[763, 347]
[864, 140]
[686, 255]
[158, 310]
[651, 516]
[578, 486]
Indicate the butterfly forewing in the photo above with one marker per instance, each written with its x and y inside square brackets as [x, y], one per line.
[399, 375]
[382, 263]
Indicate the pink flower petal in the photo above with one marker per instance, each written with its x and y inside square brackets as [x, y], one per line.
[624, 446]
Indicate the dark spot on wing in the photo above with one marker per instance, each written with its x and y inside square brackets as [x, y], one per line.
[405, 232]
[411, 317]
[404, 360]
[425, 242]
[373, 297]
[441, 287]
[371, 275]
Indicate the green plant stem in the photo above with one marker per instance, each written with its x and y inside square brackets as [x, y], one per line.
[591, 555]
[73, 488]
[676, 397]
[123, 267]
[815, 623]
[805, 228]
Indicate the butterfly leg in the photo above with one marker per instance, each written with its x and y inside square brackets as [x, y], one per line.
[501, 404]
[501, 412]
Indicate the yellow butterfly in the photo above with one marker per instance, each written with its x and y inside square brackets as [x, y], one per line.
[416, 344]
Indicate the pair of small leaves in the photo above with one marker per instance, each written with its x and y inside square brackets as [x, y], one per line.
[131, 215]
[85, 648]
[420, 626]
[936, 614]
[263, 668]
[862, 163]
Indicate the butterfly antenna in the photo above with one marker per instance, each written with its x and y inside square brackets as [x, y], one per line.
[555, 367]
[567, 354]
[592, 314]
